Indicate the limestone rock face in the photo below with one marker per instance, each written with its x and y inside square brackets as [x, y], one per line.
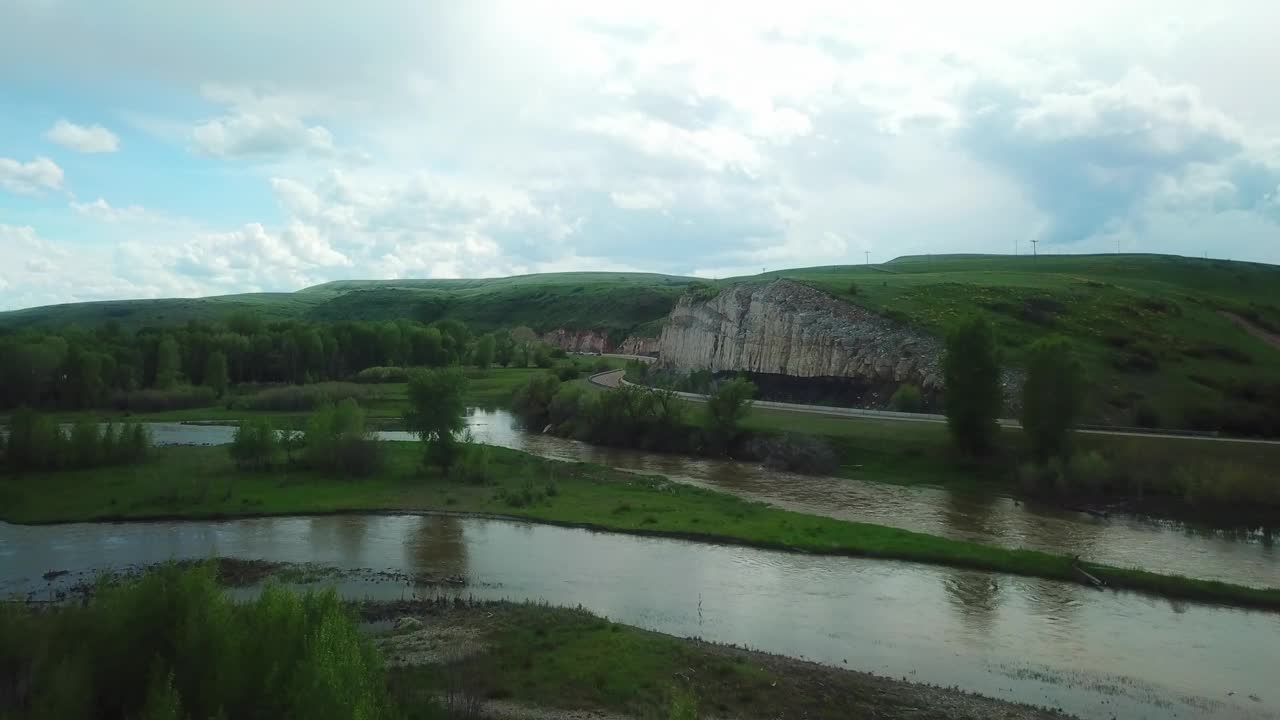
[594, 341]
[791, 329]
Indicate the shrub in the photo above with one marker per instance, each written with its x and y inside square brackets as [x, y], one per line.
[472, 466]
[726, 408]
[303, 397]
[34, 443]
[154, 400]
[794, 453]
[852, 289]
[532, 400]
[86, 444]
[1146, 417]
[907, 398]
[336, 441]
[601, 365]
[171, 644]
[567, 372]
[382, 374]
[559, 353]
[254, 445]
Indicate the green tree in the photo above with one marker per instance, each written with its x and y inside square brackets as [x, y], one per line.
[971, 373]
[336, 440]
[86, 444]
[531, 401]
[437, 406]
[215, 373]
[1051, 397]
[726, 408]
[907, 398]
[167, 363]
[484, 352]
[254, 445]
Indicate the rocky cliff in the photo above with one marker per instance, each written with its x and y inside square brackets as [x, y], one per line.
[593, 341]
[791, 329]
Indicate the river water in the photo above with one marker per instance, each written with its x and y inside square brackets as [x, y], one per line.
[1091, 653]
[1245, 558]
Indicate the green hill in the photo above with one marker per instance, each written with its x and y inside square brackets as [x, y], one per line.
[1168, 341]
[1154, 330]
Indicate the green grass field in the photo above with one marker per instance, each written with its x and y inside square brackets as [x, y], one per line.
[201, 482]
[1149, 328]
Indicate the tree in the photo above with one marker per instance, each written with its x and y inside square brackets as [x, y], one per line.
[1051, 398]
[436, 412]
[531, 401]
[726, 408]
[215, 373]
[484, 352]
[254, 445]
[336, 440]
[167, 363]
[971, 373]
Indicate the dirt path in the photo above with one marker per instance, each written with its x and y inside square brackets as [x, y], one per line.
[1262, 334]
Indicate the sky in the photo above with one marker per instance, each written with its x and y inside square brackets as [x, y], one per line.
[178, 148]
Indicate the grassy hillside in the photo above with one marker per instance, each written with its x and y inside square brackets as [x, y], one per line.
[618, 303]
[1151, 328]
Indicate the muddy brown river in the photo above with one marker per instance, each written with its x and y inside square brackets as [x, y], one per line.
[1241, 557]
[1094, 654]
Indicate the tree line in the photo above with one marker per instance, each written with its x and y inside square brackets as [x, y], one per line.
[75, 368]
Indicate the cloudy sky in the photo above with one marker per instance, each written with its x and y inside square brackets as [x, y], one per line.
[176, 148]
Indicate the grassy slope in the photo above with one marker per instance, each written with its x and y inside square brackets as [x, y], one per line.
[196, 482]
[1108, 304]
[618, 303]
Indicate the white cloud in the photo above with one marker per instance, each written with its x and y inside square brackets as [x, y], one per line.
[30, 177]
[260, 134]
[102, 210]
[83, 138]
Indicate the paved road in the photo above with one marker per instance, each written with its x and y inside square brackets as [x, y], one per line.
[614, 378]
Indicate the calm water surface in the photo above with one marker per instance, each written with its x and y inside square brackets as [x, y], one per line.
[1095, 654]
[1246, 558]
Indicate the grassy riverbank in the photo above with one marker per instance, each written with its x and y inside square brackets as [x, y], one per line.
[547, 657]
[200, 482]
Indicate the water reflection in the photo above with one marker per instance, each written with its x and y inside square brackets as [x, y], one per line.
[1094, 654]
[1243, 557]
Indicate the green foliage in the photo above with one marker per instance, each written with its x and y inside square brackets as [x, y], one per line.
[437, 406]
[153, 400]
[36, 442]
[255, 444]
[531, 401]
[215, 373]
[304, 397]
[907, 398]
[971, 372]
[542, 356]
[86, 444]
[485, 349]
[725, 409]
[172, 645]
[1051, 397]
[167, 363]
[336, 441]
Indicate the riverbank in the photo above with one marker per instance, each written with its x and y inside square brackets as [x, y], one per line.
[525, 660]
[201, 483]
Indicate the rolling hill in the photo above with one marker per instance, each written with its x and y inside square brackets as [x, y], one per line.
[1167, 341]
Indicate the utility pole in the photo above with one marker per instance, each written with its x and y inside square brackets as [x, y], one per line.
[868, 254]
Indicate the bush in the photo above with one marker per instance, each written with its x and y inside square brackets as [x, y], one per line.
[472, 466]
[532, 400]
[336, 441]
[1051, 397]
[907, 398]
[436, 412]
[254, 445]
[726, 408]
[382, 375]
[303, 397]
[1090, 471]
[171, 644]
[178, 398]
[86, 444]
[35, 442]
[1146, 417]
[852, 289]
[567, 372]
[794, 453]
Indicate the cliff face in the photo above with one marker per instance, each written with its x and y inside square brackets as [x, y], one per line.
[791, 329]
[591, 341]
